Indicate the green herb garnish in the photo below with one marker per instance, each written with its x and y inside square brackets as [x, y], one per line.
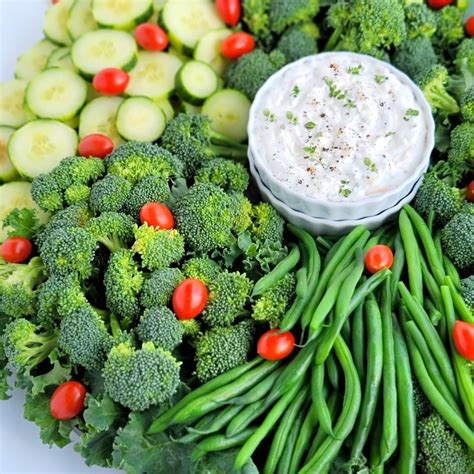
[380, 79]
[292, 118]
[354, 69]
[370, 165]
[309, 125]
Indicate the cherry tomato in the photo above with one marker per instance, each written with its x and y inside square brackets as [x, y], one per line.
[111, 81]
[96, 145]
[463, 336]
[16, 249]
[189, 298]
[157, 215]
[237, 44]
[67, 400]
[273, 345]
[470, 192]
[469, 26]
[55, 1]
[378, 257]
[151, 37]
[437, 4]
[229, 11]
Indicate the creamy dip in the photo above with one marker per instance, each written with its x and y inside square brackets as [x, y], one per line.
[339, 127]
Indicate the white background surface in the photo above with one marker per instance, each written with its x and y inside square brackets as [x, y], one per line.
[21, 450]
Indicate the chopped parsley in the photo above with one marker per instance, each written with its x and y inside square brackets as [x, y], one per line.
[310, 149]
[412, 113]
[292, 118]
[354, 69]
[333, 89]
[309, 125]
[270, 116]
[296, 90]
[370, 165]
[389, 134]
[344, 189]
[350, 104]
[380, 79]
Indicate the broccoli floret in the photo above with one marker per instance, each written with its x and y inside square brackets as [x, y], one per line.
[248, 73]
[256, 18]
[457, 240]
[366, 26]
[284, 13]
[298, 42]
[221, 349]
[57, 297]
[271, 306]
[465, 54]
[73, 216]
[415, 56]
[467, 291]
[228, 294]
[432, 82]
[109, 194]
[267, 224]
[420, 21]
[191, 138]
[149, 189]
[461, 152]
[227, 174]
[440, 450]
[123, 282]
[450, 26]
[47, 193]
[140, 378]
[438, 196]
[160, 326]
[204, 217]
[191, 328]
[77, 194]
[158, 248]
[69, 250]
[83, 337]
[112, 229]
[19, 286]
[422, 404]
[201, 268]
[242, 210]
[25, 346]
[467, 105]
[137, 160]
[158, 289]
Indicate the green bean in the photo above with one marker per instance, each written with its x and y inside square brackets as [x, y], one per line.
[433, 312]
[194, 433]
[328, 301]
[432, 338]
[164, 420]
[323, 242]
[330, 447]
[317, 395]
[374, 375]
[437, 243]
[259, 391]
[332, 251]
[306, 432]
[430, 283]
[337, 256]
[413, 256]
[281, 435]
[358, 340]
[397, 266]
[375, 462]
[215, 399]
[434, 259]
[224, 417]
[267, 425]
[289, 448]
[406, 405]
[389, 383]
[245, 417]
[430, 220]
[301, 282]
[346, 331]
[437, 400]
[461, 308]
[461, 369]
[341, 313]
[281, 269]
[452, 272]
[431, 365]
[333, 371]
[220, 442]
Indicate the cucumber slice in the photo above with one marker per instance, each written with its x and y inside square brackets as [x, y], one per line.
[123, 14]
[65, 62]
[158, 5]
[140, 119]
[208, 50]
[187, 22]
[154, 75]
[7, 170]
[182, 57]
[56, 56]
[55, 22]
[190, 108]
[17, 194]
[56, 94]
[12, 97]
[34, 60]
[228, 111]
[40, 145]
[80, 19]
[99, 49]
[166, 107]
[196, 81]
[98, 116]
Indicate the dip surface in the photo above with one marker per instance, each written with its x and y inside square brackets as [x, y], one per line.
[340, 127]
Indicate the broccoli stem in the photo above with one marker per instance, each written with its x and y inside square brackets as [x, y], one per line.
[333, 40]
[226, 152]
[440, 100]
[115, 328]
[39, 347]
